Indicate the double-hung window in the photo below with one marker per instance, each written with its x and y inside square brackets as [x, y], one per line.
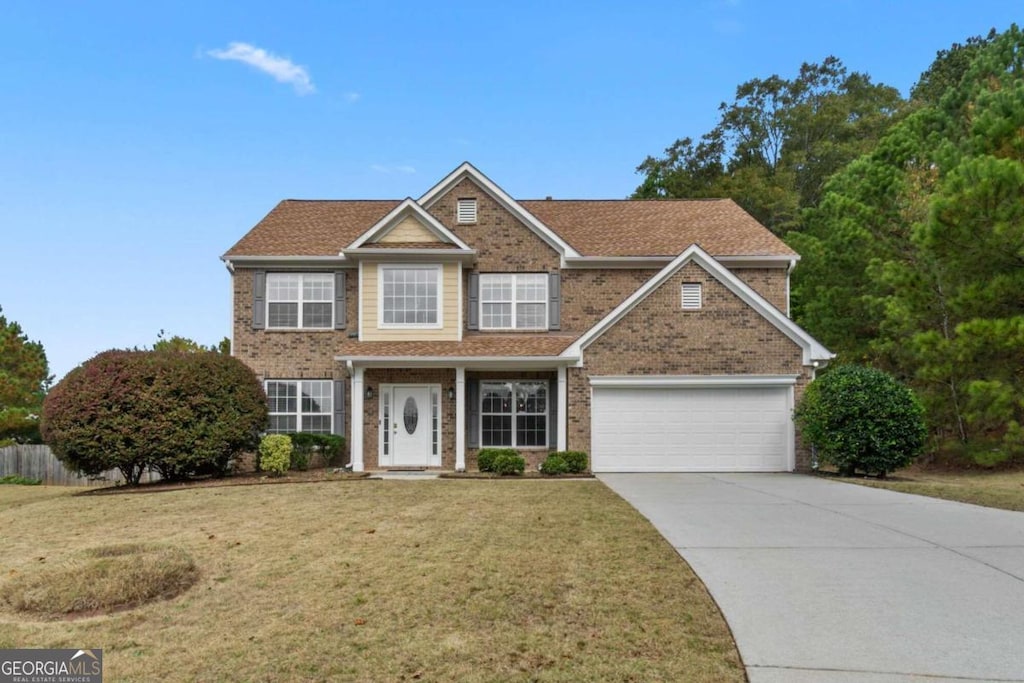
[300, 406]
[410, 296]
[297, 300]
[514, 414]
[514, 301]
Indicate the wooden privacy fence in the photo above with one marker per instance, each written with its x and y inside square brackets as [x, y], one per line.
[38, 462]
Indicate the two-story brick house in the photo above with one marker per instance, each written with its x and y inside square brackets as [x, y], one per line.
[652, 334]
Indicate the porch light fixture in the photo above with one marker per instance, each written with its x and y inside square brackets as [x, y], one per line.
[451, 393]
[369, 393]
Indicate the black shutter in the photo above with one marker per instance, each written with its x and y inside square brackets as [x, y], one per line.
[473, 413]
[259, 299]
[473, 321]
[339, 407]
[553, 414]
[340, 313]
[554, 301]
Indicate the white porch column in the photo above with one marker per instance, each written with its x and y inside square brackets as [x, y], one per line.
[460, 419]
[563, 406]
[356, 447]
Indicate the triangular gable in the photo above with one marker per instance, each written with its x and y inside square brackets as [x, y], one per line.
[812, 348]
[502, 198]
[407, 209]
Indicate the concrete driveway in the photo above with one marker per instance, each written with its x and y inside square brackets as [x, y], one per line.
[822, 581]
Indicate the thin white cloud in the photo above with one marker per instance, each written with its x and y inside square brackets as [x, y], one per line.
[352, 97]
[282, 69]
[398, 168]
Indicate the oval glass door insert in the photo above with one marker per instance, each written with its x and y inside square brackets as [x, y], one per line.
[411, 415]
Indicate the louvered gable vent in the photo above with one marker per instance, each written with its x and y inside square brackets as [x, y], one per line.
[691, 296]
[466, 210]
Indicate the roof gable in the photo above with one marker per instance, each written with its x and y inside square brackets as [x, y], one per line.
[467, 170]
[401, 214]
[812, 349]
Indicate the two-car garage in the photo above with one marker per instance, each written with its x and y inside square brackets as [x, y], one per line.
[712, 424]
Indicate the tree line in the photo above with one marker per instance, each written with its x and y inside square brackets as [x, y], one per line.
[908, 214]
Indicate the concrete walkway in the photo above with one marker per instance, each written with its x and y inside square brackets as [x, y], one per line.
[828, 582]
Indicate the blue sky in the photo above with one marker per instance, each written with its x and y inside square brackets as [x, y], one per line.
[140, 140]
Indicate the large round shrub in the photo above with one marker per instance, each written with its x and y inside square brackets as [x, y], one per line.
[180, 413]
[861, 418]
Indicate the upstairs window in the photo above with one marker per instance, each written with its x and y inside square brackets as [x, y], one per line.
[300, 406]
[410, 296]
[465, 210]
[514, 301]
[692, 296]
[296, 300]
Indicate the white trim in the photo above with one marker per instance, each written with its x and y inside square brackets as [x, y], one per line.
[467, 169]
[286, 262]
[357, 419]
[359, 305]
[438, 269]
[791, 431]
[412, 255]
[813, 350]
[514, 302]
[460, 419]
[471, 362]
[460, 301]
[407, 207]
[734, 260]
[562, 396]
[691, 381]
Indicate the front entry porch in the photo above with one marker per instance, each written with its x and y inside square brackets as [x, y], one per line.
[431, 418]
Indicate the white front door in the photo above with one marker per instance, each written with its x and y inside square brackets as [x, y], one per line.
[410, 425]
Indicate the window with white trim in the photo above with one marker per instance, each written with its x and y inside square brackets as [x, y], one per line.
[465, 210]
[297, 300]
[514, 414]
[514, 301]
[300, 406]
[692, 296]
[410, 296]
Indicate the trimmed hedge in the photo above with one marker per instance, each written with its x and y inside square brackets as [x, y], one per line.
[275, 454]
[485, 459]
[554, 464]
[861, 418]
[575, 461]
[509, 464]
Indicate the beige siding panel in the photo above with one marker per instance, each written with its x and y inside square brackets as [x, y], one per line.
[449, 309]
[409, 230]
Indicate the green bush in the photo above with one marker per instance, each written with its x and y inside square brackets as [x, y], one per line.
[180, 413]
[862, 419]
[275, 454]
[306, 445]
[18, 480]
[509, 463]
[485, 459]
[554, 464]
[575, 461]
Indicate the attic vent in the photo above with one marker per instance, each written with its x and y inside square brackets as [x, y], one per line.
[691, 296]
[465, 211]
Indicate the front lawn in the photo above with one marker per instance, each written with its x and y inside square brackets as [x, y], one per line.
[380, 580]
[992, 489]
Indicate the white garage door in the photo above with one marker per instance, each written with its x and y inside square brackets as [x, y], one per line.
[683, 429]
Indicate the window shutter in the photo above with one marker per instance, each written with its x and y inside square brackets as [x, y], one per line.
[473, 319]
[339, 407]
[553, 414]
[554, 301]
[259, 299]
[473, 413]
[340, 314]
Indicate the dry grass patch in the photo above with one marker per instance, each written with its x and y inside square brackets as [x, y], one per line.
[1004, 490]
[101, 580]
[388, 581]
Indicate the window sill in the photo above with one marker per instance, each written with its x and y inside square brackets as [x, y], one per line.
[299, 329]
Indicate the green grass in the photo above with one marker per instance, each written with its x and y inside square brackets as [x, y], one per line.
[1003, 490]
[378, 580]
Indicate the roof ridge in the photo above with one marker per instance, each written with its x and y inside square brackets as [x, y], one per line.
[638, 199]
[338, 201]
